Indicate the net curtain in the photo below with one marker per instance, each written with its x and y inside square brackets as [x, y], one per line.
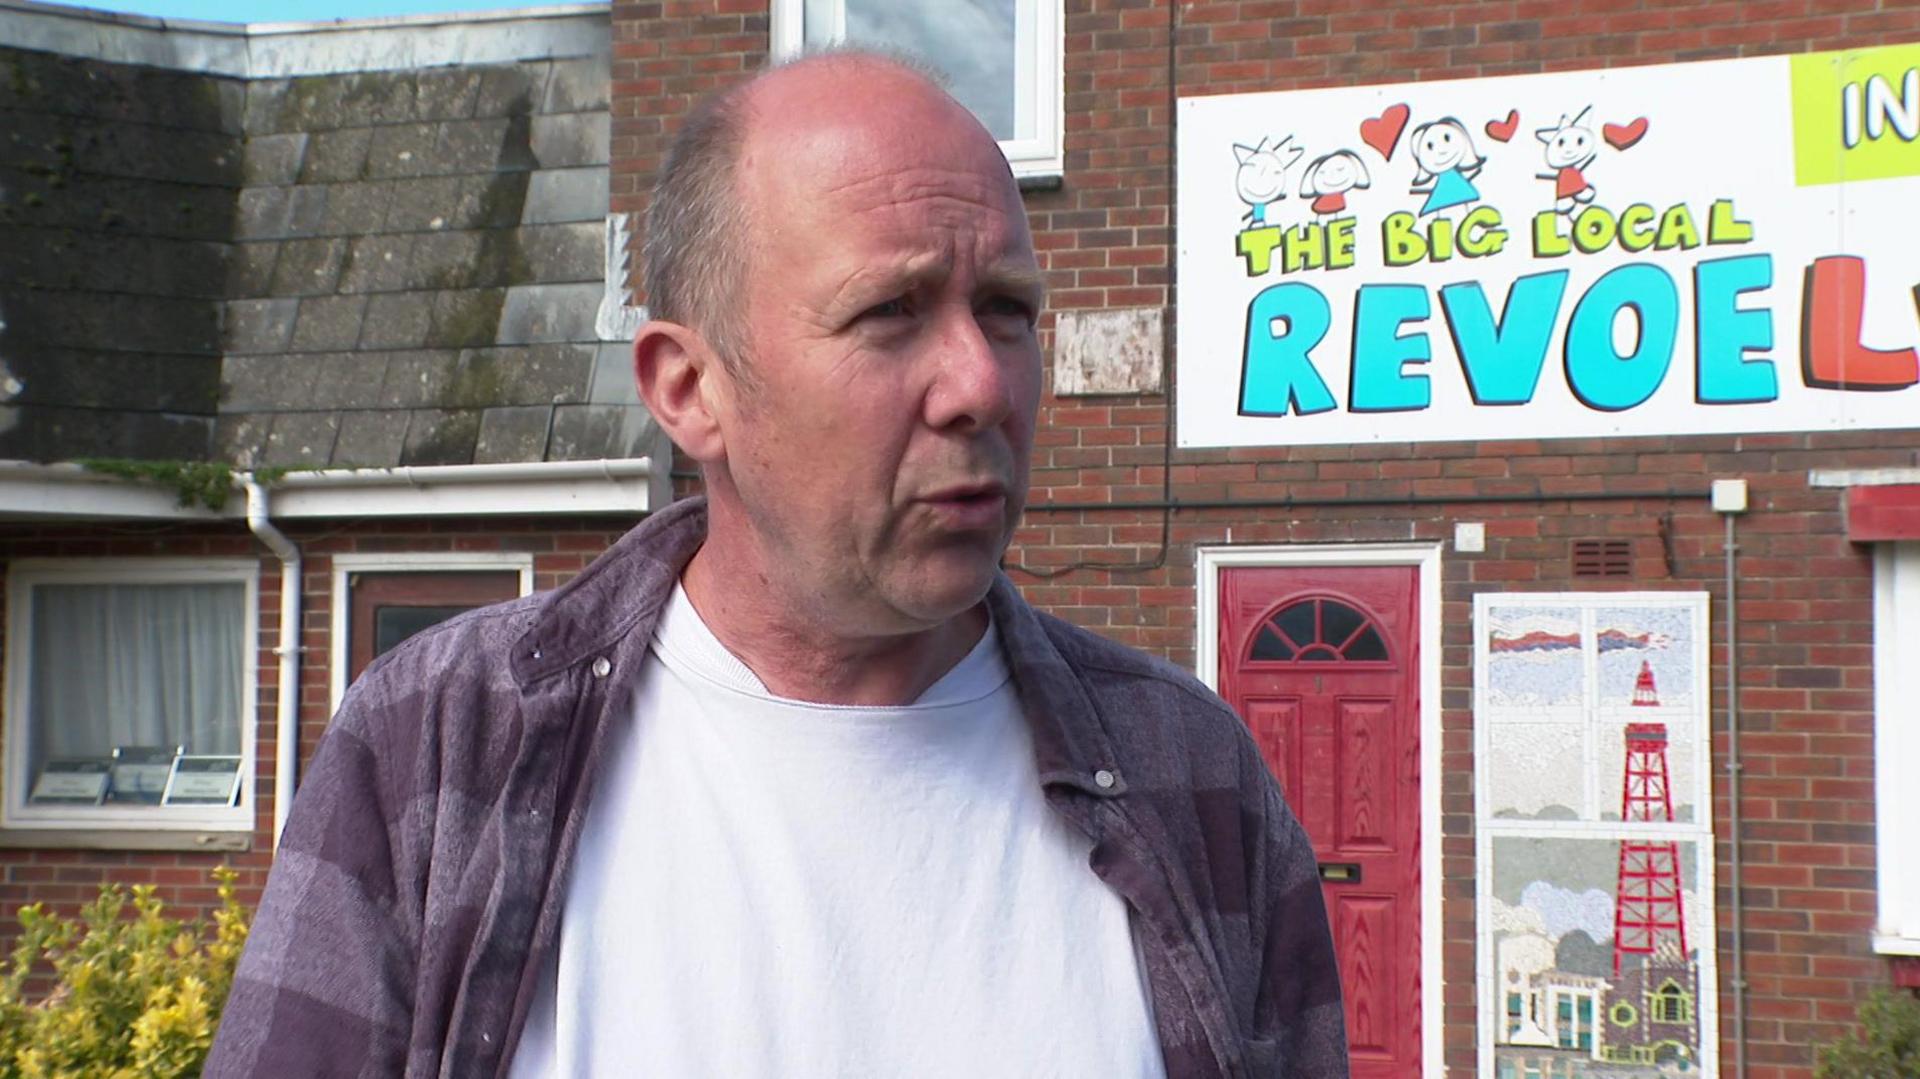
[136, 664]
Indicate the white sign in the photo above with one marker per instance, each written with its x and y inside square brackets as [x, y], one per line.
[1692, 248]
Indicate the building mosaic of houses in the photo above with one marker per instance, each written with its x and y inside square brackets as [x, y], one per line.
[1503, 405]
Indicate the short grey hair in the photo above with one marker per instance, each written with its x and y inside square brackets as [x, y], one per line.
[695, 224]
[695, 252]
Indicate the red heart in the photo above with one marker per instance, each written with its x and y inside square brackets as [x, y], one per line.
[1383, 131]
[1503, 129]
[1621, 136]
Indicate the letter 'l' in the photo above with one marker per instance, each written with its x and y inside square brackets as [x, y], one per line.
[1831, 355]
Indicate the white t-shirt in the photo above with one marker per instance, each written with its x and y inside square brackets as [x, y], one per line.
[766, 887]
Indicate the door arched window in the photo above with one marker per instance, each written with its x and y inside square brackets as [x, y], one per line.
[1318, 630]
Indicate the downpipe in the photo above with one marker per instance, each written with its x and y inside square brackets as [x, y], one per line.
[286, 652]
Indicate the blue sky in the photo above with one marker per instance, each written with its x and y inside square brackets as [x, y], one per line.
[290, 10]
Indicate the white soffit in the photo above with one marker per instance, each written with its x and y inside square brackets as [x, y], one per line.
[70, 492]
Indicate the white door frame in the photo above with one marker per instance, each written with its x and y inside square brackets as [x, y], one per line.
[1424, 557]
[346, 565]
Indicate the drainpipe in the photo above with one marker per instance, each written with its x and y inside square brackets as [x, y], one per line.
[1730, 500]
[286, 653]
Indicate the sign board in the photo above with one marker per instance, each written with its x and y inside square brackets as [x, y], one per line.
[203, 781]
[140, 773]
[80, 781]
[1680, 249]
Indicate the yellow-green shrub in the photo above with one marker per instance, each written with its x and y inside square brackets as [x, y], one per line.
[134, 996]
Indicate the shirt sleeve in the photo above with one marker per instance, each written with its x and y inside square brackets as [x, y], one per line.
[1299, 1003]
[325, 984]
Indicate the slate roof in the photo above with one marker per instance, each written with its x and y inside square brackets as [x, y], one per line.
[346, 268]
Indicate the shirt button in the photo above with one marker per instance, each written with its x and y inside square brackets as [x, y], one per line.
[1103, 779]
[602, 667]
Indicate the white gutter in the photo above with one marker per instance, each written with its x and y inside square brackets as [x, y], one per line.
[625, 485]
[287, 653]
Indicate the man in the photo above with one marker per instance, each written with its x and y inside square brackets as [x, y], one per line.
[790, 781]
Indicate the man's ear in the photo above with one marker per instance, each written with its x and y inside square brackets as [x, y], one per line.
[680, 381]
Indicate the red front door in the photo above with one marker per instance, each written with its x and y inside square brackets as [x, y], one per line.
[1323, 663]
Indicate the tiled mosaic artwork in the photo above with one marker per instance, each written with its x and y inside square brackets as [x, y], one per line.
[1594, 897]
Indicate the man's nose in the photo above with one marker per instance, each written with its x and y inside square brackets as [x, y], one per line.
[972, 387]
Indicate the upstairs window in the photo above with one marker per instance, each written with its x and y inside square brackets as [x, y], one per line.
[1001, 58]
[129, 701]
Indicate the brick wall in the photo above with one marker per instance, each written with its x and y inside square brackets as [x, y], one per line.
[64, 879]
[1105, 241]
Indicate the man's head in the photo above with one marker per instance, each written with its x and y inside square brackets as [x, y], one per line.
[844, 339]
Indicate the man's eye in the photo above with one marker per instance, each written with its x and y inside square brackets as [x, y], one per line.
[894, 308]
[1008, 307]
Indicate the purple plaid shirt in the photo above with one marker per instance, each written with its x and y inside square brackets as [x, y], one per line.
[418, 888]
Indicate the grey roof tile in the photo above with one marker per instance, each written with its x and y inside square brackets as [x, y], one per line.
[538, 313]
[446, 93]
[512, 434]
[555, 195]
[571, 139]
[466, 318]
[376, 97]
[328, 323]
[613, 375]
[377, 263]
[512, 90]
[264, 100]
[250, 268]
[301, 438]
[272, 213]
[396, 320]
[402, 150]
[417, 379]
[561, 253]
[579, 85]
[441, 438]
[240, 437]
[355, 209]
[589, 432]
[466, 146]
[308, 267]
[274, 159]
[349, 379]
[424, 203]
[333, 156]
[370, 439]
[311, 103]
[535, 375]
[267, 383]
[493, 200]
[443, 260]
[256, 326]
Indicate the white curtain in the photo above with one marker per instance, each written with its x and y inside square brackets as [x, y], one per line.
[136, 664]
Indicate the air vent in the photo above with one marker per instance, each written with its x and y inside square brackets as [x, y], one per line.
[1603, 558]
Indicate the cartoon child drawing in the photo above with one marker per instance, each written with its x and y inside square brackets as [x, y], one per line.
[1569, 150]
[1262, 178]
[1448, 163]
[1329, 177]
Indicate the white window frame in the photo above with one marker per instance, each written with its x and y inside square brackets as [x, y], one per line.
[1039, 33]
[346, 565]
[1896, 745]
[23, 576]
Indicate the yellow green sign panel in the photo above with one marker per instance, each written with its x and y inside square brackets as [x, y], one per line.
[1856, 115]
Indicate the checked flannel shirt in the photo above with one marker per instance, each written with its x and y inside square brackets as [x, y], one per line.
[419, 884]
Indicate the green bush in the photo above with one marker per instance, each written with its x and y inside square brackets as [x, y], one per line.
[1888, 1046]
[136, 996]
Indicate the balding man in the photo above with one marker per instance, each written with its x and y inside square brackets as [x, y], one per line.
[790, 782]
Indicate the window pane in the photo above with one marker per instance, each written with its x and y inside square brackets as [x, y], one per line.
[391, 625]
[1297, 622]
[135, 665]
[1338, 622]
[972, 41]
